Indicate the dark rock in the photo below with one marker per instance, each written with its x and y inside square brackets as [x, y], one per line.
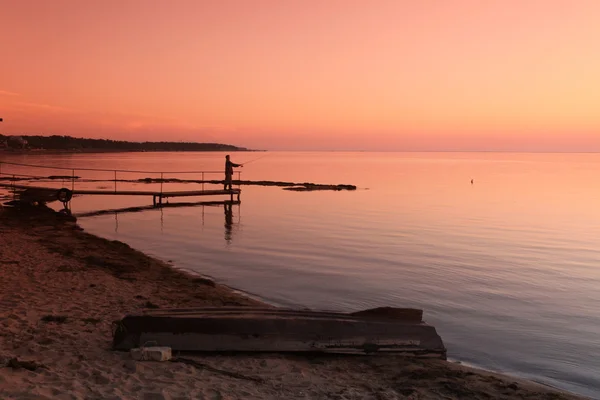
[15, 363]
[204, 281]
[59, 319]
[149, 304]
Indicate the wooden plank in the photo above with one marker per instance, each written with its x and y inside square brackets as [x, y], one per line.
[200, 193]
[130, 192]
[152, 193]
[273, 343]
[114, 193]
[381, 313]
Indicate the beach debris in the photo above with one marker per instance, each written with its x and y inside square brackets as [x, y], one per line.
[59, 319]
[37, 195]
[93, 321]
[151, 305]
[15, 363]
[204, 281]
[154, 353]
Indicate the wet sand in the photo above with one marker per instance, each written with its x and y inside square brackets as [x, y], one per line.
[62, 289]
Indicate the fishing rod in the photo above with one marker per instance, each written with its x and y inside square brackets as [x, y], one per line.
[255, 159]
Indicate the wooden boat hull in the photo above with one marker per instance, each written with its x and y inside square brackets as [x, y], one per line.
[246, 329]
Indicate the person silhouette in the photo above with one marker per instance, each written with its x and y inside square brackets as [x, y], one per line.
[229, 165]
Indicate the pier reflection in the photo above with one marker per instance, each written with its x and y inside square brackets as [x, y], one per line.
[227, 208]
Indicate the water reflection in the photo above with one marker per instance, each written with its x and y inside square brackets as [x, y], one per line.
[162, 220]
[229, 224]
[227, 208]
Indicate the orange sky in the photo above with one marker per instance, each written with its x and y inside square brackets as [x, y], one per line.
[306, 74]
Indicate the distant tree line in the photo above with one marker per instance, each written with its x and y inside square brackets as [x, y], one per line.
[57, 142]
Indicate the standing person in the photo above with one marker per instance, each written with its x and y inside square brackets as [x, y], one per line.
[229, 171]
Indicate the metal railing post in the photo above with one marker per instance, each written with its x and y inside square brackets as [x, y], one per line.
[115, 181]
[161, 182]
[203, 182]
[73, 181]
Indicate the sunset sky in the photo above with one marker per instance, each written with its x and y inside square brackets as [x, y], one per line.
[306, 75]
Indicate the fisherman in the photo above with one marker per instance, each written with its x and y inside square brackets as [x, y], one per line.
[229, 171]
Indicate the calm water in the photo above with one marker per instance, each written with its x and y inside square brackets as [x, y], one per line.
[506, 268]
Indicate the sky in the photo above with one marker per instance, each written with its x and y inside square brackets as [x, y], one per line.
[461, 75]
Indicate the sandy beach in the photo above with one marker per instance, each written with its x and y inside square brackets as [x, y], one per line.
[62, 289]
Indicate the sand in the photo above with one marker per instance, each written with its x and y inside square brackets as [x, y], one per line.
[62, 289]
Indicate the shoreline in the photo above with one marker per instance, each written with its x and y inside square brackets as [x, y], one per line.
[451, 360]
[63, 288]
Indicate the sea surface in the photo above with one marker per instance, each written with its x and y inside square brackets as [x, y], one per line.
[506, 266]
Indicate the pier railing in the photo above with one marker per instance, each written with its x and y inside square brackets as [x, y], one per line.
[13, 172]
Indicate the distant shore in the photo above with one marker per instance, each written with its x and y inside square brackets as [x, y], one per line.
[87, 151]
[59, 143]
[63, 288]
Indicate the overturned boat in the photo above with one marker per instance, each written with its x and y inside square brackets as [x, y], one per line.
[248, 329]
